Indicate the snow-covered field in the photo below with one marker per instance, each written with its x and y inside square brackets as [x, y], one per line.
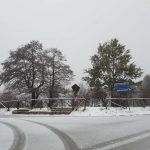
[99, 111]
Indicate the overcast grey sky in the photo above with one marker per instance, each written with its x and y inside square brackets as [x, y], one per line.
[76, 27]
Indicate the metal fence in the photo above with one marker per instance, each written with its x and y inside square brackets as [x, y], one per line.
[73, 103]
[129, 102]
[48, 103]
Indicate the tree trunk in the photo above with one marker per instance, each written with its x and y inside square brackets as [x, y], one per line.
[51, 101]
[33, 99]
[50, 96]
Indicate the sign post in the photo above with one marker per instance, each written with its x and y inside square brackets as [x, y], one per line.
[75, 89]
[124, 88]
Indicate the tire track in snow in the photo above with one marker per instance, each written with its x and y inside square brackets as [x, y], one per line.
[19, 137]
[69, 144]
[114, 141]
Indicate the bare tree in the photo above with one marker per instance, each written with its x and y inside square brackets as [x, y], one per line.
[146, 87]
[24, 70]
[58, 73]
[93, 96]
[30, 69]
[7, 98]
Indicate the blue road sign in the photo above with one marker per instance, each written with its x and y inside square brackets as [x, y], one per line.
[122, 87]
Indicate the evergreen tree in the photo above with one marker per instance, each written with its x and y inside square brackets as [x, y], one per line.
[111, 64]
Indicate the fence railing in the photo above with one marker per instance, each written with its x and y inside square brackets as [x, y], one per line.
[48, 103]
[73, 103]
[129, 102]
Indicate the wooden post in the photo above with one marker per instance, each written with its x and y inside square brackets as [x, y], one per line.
[73, 103]
[18, 104]
[84, 104]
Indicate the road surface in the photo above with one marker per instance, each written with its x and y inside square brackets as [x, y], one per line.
[74, 133]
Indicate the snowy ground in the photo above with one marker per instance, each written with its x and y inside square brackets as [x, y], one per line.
[74, 133]
[111, 111]
[99, 129]
[99, 111]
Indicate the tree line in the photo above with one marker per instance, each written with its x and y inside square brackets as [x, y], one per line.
[32, 69]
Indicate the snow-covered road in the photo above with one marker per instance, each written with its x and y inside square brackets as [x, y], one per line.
[74, 133]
